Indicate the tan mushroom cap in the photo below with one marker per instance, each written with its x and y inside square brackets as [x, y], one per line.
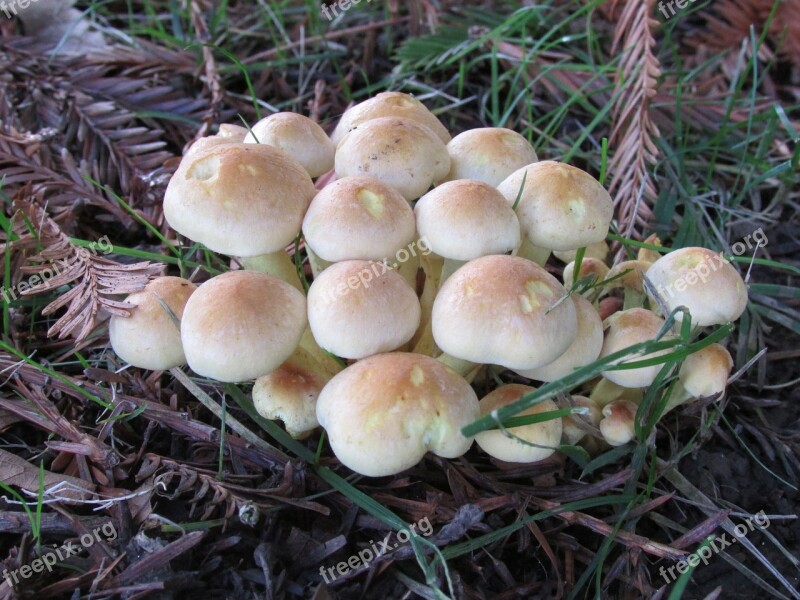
[465, 219]
[572, 432]
[239, 199]
[400, 152]
[358, 308]
[583, 351]
[228, 134]
[503, 310]
[629, 274]
[289, 394]
[358, 218]
[383, 413]
[589, 266]
[702, 281]
[389, 104]
[488, 154]
[561, 207]
[598, 250]
[149, 338]
[624, 329]
[545, 435]
[298, 136]
[617, 426]
[241, 325]
[705, 372]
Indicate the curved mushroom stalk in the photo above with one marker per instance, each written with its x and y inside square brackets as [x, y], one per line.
[278, 264]
[605, 392]
[423, 342]
[533, 252]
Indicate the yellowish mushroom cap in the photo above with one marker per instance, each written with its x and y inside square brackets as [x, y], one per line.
[383, 413]
[624, 329]
[705, 372]
[617, 426]
[228, 134]
[545, 435]
[488, 154]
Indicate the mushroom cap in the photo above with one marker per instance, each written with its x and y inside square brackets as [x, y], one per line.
[488, 154]
[358, 308]
[572, 433]
[290, 394]
[241, 325]
[583, 351]
[562, 207]
[239, 199]
[598, 250]
[228, 134]
[617, 426]
[149, 338]
[702, 281]
[465, 219]
[648, 255]
[400, 152]
[626, 328]
[589, 266]
[547, 433]
[705, 372]
[299, 137]
[383, 413]
[358, 218]
[389, 104]
[503, 310]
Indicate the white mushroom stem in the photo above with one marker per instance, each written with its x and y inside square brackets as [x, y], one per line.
[323, 362]
[408, 270]
[278, 264]
[532, 252]
[679, 395]
[423, 342]
[318, 265]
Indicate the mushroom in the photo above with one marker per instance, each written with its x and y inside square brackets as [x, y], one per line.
[290, 393]
[400, 152]
[359, 218]
[241, 325]
[583, 351]
[589, 266]
[605, 392]
[702, 281]
[539, 440]
[466, 219]
[560, 208]
[703, 374]
[488, 154]
[627, 328]
[576, 426]
[503, 310]
[243, 200]
[647, 254]
[358, 308]
[628, 275]
[389, 104]
[150, 338]
[298, 136]
[228, 134]
[383, 413]
[617, 426]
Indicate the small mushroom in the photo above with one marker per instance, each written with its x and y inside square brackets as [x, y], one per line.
[299, 137]
[150, 338]
[627, 328]
[383, 413]
[617, 426]
[228, 134]
[598, 250]
[241, 325]
[542, 438]
[402, 153]
[589, 266]
[702, 281]
[703, 374]
[560, 207]
[574, 427]
[503, 310]
[358, 308]
[488, 154]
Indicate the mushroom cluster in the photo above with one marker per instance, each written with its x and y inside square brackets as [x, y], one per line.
[426, 255]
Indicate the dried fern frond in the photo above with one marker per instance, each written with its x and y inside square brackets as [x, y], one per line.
[54, 261]
[634, 130]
